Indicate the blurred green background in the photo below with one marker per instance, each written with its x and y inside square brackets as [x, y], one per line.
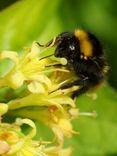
[23, 21]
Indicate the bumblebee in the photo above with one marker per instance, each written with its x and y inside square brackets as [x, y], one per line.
[85, 57]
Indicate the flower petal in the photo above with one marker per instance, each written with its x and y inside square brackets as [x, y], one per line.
[34, 51]
[9, 54]
[36, 87]
[16, 80]
[3, 108]
[4, 147]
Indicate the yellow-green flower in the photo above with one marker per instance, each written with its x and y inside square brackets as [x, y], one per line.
[56, 110]
[43, 100]
[13, 142]
[28, 68]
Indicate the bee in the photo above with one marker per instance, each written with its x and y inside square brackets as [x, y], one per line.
[85, 56]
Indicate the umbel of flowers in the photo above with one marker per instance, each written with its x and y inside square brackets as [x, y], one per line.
[13, 142]
[30, 89]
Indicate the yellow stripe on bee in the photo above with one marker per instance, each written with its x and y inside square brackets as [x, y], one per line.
[85, 44]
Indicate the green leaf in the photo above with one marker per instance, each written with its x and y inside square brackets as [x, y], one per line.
[24, 22]
[97, 135]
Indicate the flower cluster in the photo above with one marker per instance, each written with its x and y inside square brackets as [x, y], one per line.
[35, 81]
[13, 142]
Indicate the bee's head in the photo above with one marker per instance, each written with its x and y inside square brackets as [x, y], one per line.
[77, 45]
[67, 46]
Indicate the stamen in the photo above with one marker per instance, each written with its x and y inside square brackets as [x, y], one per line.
[63, 61]
[46, 56]
[53, 42]
[92, 114]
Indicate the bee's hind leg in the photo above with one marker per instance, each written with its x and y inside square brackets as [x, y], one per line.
[80, 91]
[82, 83]
[79, 82]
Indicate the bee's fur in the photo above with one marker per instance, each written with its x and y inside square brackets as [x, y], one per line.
[85, 57]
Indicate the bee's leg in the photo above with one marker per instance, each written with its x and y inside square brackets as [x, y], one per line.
[80, 91]
[51, 43]
[80, 82]
[55, 65]
[83, 83]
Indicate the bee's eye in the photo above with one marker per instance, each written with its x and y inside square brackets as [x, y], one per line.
[71, 47]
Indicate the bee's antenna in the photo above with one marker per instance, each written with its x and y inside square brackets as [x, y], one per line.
[51, 43]
[40, 45]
